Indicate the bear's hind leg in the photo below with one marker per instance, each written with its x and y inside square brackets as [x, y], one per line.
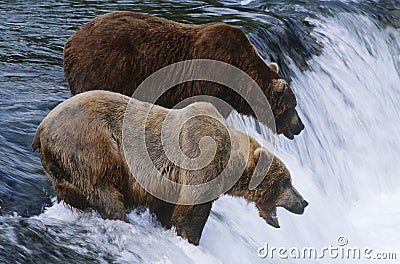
[108, 202]
[65, 191]
[190, 220]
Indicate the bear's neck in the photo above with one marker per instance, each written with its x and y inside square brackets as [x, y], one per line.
[242, 185]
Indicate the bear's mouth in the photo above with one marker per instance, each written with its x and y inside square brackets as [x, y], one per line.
[272, 218]
[287, 133]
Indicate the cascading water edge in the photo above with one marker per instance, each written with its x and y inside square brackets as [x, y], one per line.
[346, 161]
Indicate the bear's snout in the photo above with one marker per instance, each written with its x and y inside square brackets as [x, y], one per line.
[289, 123]
[297, 208]
[292, 201]
[295, 125]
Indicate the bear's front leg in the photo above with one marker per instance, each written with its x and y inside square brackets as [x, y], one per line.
[163, 211]
[190, 220]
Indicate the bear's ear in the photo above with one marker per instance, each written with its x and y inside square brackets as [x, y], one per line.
[279, 85]
[262, 159]
[273, 66]
[262, 153]
[257, 154]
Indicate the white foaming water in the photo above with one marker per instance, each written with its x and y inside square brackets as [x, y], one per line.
[345, 163]
[245, 2]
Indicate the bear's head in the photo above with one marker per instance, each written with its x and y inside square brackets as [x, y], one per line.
[283, 103]
[274, 189]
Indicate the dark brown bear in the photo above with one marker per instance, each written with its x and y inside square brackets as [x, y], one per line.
[86, 154]
[117, 51]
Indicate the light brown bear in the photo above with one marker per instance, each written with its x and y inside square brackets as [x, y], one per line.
[84, 152]
[118, 51]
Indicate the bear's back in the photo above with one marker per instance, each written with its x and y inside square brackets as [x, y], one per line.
[88, 104]
[124, 48]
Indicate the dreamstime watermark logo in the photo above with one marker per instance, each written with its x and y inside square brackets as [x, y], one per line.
[341, 250]
[186, 143]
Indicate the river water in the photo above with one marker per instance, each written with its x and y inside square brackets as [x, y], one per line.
[342, 59]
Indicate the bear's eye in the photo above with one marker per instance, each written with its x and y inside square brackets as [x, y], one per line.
[286, 183]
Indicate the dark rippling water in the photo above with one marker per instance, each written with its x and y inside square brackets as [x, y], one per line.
[32, 36]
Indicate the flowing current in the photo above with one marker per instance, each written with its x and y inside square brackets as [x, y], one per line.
[342, 59]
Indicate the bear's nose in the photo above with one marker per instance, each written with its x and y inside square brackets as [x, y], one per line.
[304, 203]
